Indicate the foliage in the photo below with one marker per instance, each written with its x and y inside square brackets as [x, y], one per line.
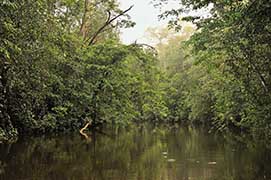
[229, 77]
[51, 80]
[62, 63]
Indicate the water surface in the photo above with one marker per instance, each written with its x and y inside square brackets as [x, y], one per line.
[134, 154]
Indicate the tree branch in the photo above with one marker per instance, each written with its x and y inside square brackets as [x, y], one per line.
[146, 45]
[108, 22]
[83, 129]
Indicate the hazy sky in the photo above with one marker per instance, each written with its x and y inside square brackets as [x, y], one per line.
[144, 14]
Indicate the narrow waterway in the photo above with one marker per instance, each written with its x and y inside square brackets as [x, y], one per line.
[135, 154]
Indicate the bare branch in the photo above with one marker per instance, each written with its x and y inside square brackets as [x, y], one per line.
[146, 45]
[108, 22]
[109, 16]
[83, 129]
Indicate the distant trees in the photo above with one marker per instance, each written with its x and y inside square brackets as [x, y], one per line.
[229, 78]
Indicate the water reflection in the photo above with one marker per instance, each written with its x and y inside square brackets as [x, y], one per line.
[135, 154]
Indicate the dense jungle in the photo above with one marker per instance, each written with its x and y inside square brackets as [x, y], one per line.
[64, 68]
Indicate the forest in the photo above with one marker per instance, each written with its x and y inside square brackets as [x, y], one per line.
[63, 65]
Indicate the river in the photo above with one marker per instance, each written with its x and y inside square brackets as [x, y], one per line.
[135, 154]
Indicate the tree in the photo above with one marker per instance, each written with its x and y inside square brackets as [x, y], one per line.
[232, 45]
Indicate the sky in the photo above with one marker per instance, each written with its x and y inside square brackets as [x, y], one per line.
[144, 15]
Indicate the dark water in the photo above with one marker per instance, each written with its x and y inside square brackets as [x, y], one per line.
[138, 154]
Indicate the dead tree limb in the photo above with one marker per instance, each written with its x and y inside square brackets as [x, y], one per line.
[83, 129]
[109, 20]
[146, 45]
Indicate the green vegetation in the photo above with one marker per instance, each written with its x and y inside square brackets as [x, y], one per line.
[223, 76]
[55, 72]
[62, 63]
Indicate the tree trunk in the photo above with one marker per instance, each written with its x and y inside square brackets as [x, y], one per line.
[84, 25]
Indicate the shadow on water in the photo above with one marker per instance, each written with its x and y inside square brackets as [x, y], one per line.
[136, 154]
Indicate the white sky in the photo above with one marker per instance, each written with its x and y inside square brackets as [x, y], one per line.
[144, 15]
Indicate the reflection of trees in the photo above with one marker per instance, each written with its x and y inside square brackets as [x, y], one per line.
[195, 148]
[136, 154]
[2, 167]
[70, 157]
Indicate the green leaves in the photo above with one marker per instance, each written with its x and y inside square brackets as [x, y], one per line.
[229, 78]
[49, 80]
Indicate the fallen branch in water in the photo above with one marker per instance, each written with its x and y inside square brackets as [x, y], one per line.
[83, 129]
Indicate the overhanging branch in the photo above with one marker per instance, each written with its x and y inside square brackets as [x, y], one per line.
[107, 23]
